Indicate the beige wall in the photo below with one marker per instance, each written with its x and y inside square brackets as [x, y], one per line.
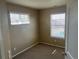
[23, 36]
[45, 26]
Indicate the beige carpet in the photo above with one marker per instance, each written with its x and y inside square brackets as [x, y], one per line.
[42, 51]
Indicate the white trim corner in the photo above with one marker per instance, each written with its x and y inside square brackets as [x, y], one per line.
[69, 56]
[25, 49]
[52, 45]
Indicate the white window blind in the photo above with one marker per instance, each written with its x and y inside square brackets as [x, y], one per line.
[17, 19]
[58, 25]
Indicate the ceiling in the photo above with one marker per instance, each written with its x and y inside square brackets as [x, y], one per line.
[38, 4]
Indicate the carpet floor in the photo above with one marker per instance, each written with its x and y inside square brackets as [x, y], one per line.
[42, 51]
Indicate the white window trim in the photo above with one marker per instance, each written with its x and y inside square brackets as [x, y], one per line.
[50, 28]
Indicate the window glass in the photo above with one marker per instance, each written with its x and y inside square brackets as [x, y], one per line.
[58, 25]
[17, 19]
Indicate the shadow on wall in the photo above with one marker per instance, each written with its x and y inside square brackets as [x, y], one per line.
[45, 26]
[22, 36]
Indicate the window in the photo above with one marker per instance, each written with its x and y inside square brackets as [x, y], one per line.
[17, 18]
[58, 25]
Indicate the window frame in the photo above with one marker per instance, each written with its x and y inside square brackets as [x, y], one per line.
[54, 37]
[19, 18]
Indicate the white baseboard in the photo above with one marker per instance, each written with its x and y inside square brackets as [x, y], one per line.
[52, 45]
[33, 46]
[25, 50]
[69, 55]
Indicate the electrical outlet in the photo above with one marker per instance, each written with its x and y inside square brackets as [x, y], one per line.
[9, 54]
[14, 49]
[55, 40]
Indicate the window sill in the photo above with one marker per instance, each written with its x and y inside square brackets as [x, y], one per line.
[58, 38]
